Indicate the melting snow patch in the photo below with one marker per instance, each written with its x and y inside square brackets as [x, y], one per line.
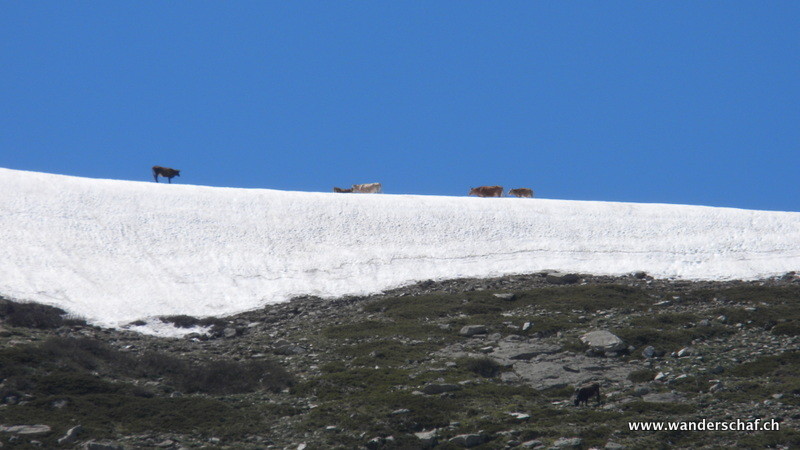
[157, 327]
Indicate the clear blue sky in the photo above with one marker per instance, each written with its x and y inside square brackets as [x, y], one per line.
[675, 102]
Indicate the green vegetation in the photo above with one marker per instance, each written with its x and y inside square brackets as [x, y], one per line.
[368, 372]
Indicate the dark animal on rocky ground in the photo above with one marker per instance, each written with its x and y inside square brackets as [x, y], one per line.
[521, 192]
[583, 394]
[487, 191]
[338, 189]
[165, 172]
[368, 188]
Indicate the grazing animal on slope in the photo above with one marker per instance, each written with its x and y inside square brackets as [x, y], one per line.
[521, 192]
[338, 189]
[165, 172]
[583, 394]
[369, 188]
[487, 191]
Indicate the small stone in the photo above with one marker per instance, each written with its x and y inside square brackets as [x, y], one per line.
[532, 444]
[427, 439]
[614, 446]
[507, 297]
[641, 391]
[25, 430]
[71, 436]
[468, 440]
[229, 332]
[603, 341]
[526, 326]
[649, 352]
[562, 278]
[686, 351]
[509, 377]
[520, 416]
[568, 443]
[472, 330]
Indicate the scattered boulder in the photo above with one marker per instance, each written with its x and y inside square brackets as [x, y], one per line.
[229, 332]
[71, 436]
[468, 440]
[562, 278]
[25, 430]
[472, 330]
[568, 443]
[603, 341]
[427, 439]
[507, 297]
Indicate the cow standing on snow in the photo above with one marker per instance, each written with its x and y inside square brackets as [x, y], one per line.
[165, 172]
[521, 192]
[487, 191]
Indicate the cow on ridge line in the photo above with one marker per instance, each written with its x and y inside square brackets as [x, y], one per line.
[165, 172]
[487, 191]
[521, 192]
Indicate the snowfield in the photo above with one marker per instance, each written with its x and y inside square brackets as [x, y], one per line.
[117, 251]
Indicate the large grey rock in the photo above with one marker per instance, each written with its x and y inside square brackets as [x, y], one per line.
[25, 430]
[427, 439]
[507, 352]
[468, 440]
[471, 330]
[603, 341]
[568, 443]
[562, 278]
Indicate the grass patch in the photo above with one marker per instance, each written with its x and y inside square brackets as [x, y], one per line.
[484, 367]
[34, 315]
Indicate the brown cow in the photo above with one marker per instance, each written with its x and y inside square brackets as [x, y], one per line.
[521, 192]
[369, 188]
[583, 394]
[487, 191]
[165, 172]
[338, 189]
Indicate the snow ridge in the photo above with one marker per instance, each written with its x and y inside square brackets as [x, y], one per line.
[116, 251]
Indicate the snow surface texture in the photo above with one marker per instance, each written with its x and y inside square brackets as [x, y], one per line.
[117, 251]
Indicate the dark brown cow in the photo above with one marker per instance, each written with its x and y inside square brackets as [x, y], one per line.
[582, 395]
[165, 172]
[487, 191]
[521, 192]
[338, 189]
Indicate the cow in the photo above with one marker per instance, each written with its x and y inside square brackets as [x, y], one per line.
[487, 191]
[165, 172]
[369, 188]
[338, 189]
[583, 394]
[521, 192]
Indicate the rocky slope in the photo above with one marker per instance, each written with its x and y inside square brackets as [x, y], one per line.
[482, 363]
